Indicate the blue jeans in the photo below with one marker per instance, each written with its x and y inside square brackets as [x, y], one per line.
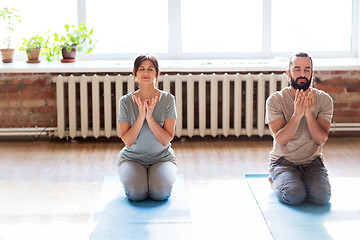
[294, 184]
[142, 182]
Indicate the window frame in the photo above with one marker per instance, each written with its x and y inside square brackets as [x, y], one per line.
[175, 44]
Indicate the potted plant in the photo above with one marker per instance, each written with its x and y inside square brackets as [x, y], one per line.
[74, 40]
[33, 46]
[50, 48]
[10, 17]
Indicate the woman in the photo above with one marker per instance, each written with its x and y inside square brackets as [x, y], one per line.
[147, 164]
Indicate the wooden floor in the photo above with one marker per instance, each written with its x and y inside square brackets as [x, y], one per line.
[49, 189]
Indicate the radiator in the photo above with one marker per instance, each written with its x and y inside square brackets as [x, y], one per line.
[207, 104]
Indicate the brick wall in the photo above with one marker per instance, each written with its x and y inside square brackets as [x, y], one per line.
[29, 99]
[344, 88]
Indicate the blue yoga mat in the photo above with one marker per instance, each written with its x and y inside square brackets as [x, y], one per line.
[225, 209]
[118, 218]
[340, 219]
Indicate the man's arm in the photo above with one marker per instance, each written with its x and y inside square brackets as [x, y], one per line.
[283, 132]
[318, 128]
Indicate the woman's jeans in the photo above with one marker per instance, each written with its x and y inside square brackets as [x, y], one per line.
[141, 182]
[294, 184]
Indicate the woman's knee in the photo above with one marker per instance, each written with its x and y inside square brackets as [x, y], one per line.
[133, 177]
[162, 177]
[160, 186]
[160, 191]
[136, 193]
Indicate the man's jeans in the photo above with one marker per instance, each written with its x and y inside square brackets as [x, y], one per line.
[294, 184]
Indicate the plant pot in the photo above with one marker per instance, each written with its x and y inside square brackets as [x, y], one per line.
[33, 56]
[7, 55]
[68, 57]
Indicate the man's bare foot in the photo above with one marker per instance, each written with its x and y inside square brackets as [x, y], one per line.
[271, 182]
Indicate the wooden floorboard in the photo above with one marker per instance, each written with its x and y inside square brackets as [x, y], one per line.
[49, 188]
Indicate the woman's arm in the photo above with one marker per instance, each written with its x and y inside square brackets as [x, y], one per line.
[163, 134]
[129, 134]
[166, 134]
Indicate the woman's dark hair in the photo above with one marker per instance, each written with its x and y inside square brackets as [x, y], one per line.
[143, 57]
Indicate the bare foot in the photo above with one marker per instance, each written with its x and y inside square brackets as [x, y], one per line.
[271, 182]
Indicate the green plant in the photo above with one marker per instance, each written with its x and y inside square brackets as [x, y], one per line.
[32, 43]
[79, 36]
[49, 47]
[11, 17]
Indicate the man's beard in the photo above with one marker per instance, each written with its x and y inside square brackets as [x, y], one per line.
[302, 86]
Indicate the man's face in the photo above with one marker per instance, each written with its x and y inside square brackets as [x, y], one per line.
[300, 73]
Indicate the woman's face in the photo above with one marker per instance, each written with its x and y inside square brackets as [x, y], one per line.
[146, 73]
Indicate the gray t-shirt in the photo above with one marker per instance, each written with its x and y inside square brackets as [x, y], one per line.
[301, 149]
[146, 149]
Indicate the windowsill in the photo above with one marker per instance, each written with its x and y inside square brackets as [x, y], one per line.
[229, 65]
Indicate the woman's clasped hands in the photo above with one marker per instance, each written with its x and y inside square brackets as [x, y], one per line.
[146, 108]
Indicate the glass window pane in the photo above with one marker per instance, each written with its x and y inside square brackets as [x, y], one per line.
[129, 26]
[308, 25]
[38, 16]
[222, 26]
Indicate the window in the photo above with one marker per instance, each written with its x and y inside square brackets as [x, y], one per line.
[129, 26]
[186, 29]
[320, 26]
[38, 17]
[221, 26]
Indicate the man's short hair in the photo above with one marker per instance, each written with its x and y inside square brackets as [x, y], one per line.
[300, 54]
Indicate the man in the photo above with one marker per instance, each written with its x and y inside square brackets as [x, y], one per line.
[299, 118]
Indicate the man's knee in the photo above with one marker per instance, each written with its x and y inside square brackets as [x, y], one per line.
[319, 195]
[292, 195]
